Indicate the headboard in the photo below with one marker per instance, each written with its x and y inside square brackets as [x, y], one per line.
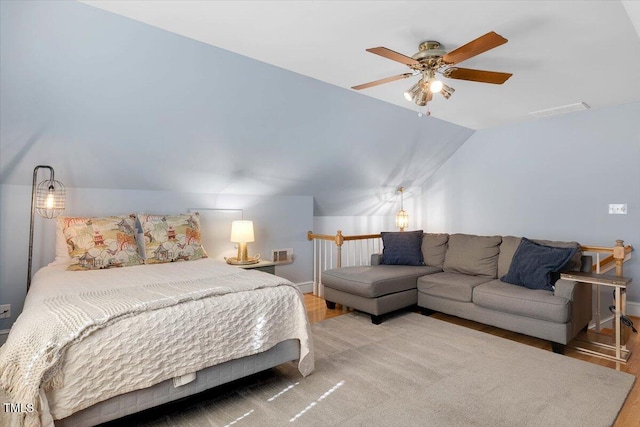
[216, 231]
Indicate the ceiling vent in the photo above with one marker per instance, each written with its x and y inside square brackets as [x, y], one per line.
[556, 111]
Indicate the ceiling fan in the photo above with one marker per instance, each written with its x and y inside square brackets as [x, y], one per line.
[432, 59]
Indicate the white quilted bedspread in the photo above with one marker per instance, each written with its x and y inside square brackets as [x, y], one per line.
[249, 312]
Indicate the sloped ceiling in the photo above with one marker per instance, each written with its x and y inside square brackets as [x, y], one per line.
[114, 103]
[560, 52]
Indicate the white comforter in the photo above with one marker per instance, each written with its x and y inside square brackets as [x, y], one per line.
[217, 313]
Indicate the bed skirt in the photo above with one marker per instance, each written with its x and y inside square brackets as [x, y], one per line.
[164, 392]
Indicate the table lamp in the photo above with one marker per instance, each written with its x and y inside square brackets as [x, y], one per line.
[242, 233]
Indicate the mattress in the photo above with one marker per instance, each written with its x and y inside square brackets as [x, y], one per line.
[138, 351]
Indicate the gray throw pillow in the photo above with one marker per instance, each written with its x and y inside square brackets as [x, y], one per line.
[434, 248]
[402, 248]
[533, 264]
[472, 255]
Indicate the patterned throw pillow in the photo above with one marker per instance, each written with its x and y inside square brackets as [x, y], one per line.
[172, 238]
[105, 242]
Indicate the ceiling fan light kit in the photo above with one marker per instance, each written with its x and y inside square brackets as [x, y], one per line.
[432, 59]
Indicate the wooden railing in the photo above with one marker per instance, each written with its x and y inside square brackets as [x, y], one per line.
[335, 251]
[617, 256]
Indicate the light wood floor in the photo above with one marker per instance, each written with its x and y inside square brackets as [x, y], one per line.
[629, 415]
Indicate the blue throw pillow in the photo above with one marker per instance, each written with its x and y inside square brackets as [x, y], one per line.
[402, 248]
[533, 264]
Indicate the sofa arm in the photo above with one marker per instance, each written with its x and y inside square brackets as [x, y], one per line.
[568, 288]
[580, 295]
[565, 288]
[376, 259]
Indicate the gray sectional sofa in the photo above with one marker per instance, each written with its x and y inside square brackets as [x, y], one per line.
[461, 277]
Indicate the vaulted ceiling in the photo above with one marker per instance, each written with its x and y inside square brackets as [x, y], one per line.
[560, 52]
[114, 103]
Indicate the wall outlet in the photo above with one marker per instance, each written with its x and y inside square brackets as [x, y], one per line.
[4, 307]
[618, 209]
[282, 255]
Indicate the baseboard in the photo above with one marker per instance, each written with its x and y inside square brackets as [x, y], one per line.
[305, 287]
[603, 322]
[633, 308]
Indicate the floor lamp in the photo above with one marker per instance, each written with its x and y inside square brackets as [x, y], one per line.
[48, 200]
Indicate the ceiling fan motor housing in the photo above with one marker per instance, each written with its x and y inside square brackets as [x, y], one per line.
[429, 56]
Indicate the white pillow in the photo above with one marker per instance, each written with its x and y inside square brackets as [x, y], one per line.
[62, 250]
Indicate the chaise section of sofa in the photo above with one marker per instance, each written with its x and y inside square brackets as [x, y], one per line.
[379, 289]
[376, 289]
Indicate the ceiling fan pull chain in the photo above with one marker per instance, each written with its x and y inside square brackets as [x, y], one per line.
[426, 113]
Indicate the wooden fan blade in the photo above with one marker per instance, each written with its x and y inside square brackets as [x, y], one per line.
[381, 81]
[476, 75]
[473, 48]
[394, 56]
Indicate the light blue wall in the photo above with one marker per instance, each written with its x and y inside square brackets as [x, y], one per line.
[550, 179]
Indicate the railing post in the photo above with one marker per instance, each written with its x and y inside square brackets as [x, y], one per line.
[339, 242]
[618, 254]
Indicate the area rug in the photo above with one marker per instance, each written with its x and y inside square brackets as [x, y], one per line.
[413, 370]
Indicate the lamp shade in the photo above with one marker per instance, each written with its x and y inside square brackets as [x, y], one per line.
[50, 198]
[242, 231]
[402, 219]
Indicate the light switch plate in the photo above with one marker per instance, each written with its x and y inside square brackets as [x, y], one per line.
[618, 209]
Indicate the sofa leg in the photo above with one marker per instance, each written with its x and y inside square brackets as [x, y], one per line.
[376, 320]
[557, 347]
[426, 311]
[331, 305]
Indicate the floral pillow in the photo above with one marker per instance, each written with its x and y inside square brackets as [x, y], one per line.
[96, 243]
[169, 238]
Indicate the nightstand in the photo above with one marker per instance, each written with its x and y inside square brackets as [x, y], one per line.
[265, 266]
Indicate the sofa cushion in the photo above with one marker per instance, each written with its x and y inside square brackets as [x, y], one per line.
[533, 263]
[434, 248]
[507, 250]
[375, 281]
[510, 244]
[402, 248]
[575, 262]
[473, 255]
[536, 304]
[453, 286]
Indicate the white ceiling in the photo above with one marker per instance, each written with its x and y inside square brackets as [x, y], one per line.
[560, 52]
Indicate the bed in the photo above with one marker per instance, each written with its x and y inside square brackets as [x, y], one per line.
[97, 345]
